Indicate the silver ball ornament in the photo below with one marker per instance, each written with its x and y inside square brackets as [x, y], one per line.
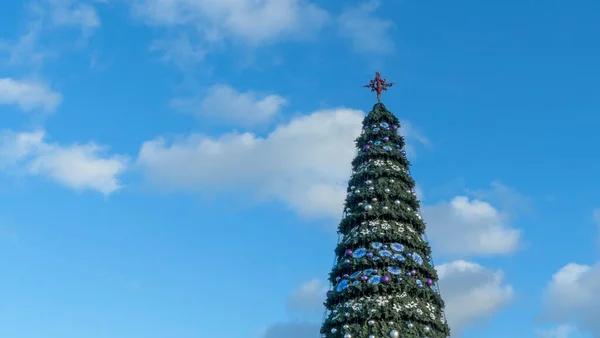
[371, 322]
[334, 330]
[392, 181]
[357, 191]
[371, 188]
[368, 207]
[410, 325]
[397, 202]
[387, 190]
[369, 182]
[426, 328]
[346, 326]
[390, 323]
[371, 336]
[394, 334]
[347, 335]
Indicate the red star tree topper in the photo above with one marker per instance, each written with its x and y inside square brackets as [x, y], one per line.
[378, 85]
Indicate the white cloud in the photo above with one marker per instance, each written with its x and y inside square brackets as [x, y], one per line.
[472, 293]
[560, 331]
[368, 33]
[228, 105]
[180, 51]
[28, 95]
[305, 163]
[250, 21]
[510, 200]
[71, 13]
[469, 227]
[26, 50]
[76, 166]
[308, 298]
[44, 17]
[573, 296]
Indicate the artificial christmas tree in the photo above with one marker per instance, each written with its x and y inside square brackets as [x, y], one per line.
[383, 280]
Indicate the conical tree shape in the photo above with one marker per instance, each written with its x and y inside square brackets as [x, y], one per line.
[384, 284]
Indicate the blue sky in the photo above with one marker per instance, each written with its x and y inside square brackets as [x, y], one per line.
[177, 168]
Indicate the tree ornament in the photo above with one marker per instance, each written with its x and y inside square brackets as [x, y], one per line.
[371, 322]
[346, 326]
[348, 252]
[394, 334]
[334, 330]
[368, 207]
[347, 335]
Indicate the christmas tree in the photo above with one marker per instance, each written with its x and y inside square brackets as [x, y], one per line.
[383, 280]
